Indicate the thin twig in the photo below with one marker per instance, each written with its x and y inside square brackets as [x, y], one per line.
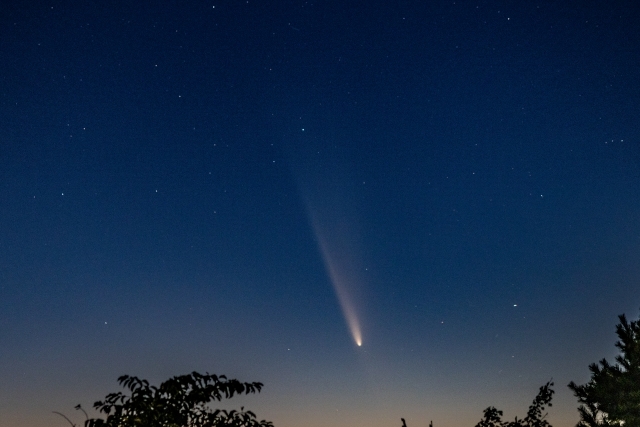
[85, 412]
[65, 417]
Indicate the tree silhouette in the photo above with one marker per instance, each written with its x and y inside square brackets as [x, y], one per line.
[535, 415]
[612, 395]
[181, 401]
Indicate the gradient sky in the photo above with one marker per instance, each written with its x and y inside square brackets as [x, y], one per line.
[250, 187]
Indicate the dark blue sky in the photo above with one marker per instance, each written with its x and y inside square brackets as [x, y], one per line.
[250, 188]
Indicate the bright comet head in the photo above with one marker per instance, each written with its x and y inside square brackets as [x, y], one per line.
[342, 277]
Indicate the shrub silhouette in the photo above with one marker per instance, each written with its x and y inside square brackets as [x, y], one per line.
[181, 401]
[535, 415]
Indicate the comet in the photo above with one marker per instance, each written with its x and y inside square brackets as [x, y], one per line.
[336, 258]
[324, 187]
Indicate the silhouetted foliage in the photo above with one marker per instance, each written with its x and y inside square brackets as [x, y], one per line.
[612, 395]
[181, 401]
[535, 415]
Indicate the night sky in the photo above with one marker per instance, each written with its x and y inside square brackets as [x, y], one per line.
[378, 209]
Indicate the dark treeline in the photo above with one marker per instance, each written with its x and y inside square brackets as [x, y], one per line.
[610, 398]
